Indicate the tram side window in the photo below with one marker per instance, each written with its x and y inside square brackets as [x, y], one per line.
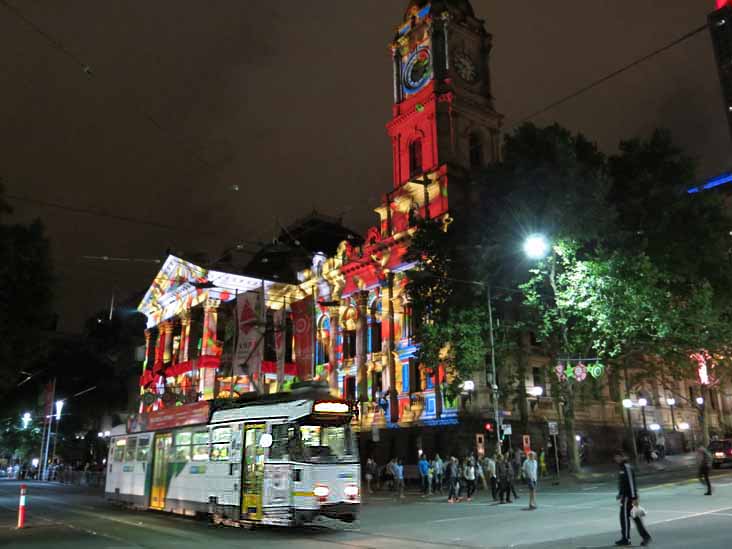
[220, 440]
[182, 450]
[119, 449]
[200, 446]
[280, 441]
[143, 448]
[130, 449]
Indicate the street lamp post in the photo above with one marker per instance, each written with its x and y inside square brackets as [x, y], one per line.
[494, 384]
[59, 407]
[628, 404]
[671, 404]
[642, 402]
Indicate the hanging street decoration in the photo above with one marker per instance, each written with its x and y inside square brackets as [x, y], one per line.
[577, 369]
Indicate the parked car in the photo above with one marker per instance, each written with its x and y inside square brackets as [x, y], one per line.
[721, 452]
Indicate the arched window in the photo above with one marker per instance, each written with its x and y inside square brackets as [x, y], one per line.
[475, 145]
[415, 157]
[375, 334]
[322, 355]
[349, 333]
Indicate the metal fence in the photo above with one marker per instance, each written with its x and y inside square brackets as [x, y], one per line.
[91, 479]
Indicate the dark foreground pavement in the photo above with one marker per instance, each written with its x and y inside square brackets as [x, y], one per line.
[568, 517]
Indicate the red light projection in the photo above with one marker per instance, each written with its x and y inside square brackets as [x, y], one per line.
[722, 3]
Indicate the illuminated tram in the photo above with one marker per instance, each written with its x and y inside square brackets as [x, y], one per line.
[278, 460]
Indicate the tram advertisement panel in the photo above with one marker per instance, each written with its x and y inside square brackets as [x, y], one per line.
[169, 418]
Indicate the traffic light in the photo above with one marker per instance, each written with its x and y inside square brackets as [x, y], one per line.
[490, 427]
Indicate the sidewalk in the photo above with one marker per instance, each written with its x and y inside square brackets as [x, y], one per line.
[589, 475]
[599, 473]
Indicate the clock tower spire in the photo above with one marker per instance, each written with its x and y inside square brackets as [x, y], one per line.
[444, 121]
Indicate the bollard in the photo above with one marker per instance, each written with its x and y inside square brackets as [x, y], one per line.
[21, 507]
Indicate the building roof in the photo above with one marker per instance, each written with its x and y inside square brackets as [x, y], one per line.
[293, 249]
[180, 285]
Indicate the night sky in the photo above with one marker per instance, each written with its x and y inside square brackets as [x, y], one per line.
[287, 100]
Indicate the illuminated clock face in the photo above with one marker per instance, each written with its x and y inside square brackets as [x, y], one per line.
[465, 67]
[417, 70]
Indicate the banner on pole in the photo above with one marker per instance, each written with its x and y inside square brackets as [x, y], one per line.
[280, 333]
[250, 345]
[302, 321]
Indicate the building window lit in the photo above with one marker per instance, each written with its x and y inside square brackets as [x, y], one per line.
[376, 326]
[322, 355]
[349, 344]
[475, 144]
[415, 157]
[415, 377]
[349, 391]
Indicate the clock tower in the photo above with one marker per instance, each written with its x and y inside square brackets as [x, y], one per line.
[444, 122]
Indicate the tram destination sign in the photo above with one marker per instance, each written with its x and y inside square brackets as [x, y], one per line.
[169, 418]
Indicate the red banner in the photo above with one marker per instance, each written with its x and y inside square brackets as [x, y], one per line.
[169, 418]
[302, 322]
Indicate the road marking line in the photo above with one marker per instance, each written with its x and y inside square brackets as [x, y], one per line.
[693, 515]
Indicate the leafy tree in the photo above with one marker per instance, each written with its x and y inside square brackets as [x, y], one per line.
[451, 328]
[26, 283]
[687, 238]
[555, 183]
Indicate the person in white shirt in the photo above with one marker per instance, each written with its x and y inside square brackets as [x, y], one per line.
[469, 475]
[530, 470]
[490, 471]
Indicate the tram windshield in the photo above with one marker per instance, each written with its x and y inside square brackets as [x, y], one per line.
[321, 443]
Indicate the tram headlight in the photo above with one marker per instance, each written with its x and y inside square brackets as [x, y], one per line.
[321, 492]
[351, 491]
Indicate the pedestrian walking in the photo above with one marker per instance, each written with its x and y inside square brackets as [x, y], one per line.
[439, 473]
[480, 472]
[530, 470]
[371, 471]
[399, 478]
[505, 478]
[544, 470]
[469, 475]
[629, 502]
[491, 473]
[424, 470]
[704, 458]
[390, 475]
[453, 480]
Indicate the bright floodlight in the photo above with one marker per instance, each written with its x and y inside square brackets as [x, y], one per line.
[642, 402]
[683, 426]
[671, 401]
[536, 246]
[59, 407]
[654, 427]
[627, 403]
[536, 391]
[469, 386]
[700, 400]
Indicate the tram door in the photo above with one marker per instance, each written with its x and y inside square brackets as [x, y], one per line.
[161, 457]
[253, 472]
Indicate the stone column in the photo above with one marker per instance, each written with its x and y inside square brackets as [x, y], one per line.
[167, 330]
[333, 313]
[185, 336]
[361, 343]
[148, 340]
[210, 318]
[207, 377]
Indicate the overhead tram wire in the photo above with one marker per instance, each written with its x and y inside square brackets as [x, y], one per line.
[617, 72]
[57, 45]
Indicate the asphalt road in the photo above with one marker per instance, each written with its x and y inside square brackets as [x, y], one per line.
[577, 516]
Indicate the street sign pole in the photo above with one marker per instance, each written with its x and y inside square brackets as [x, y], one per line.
[553, 432]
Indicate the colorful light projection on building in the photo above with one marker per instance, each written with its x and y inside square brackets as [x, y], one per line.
[704, 366]
[723, 3]
[181, 285]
